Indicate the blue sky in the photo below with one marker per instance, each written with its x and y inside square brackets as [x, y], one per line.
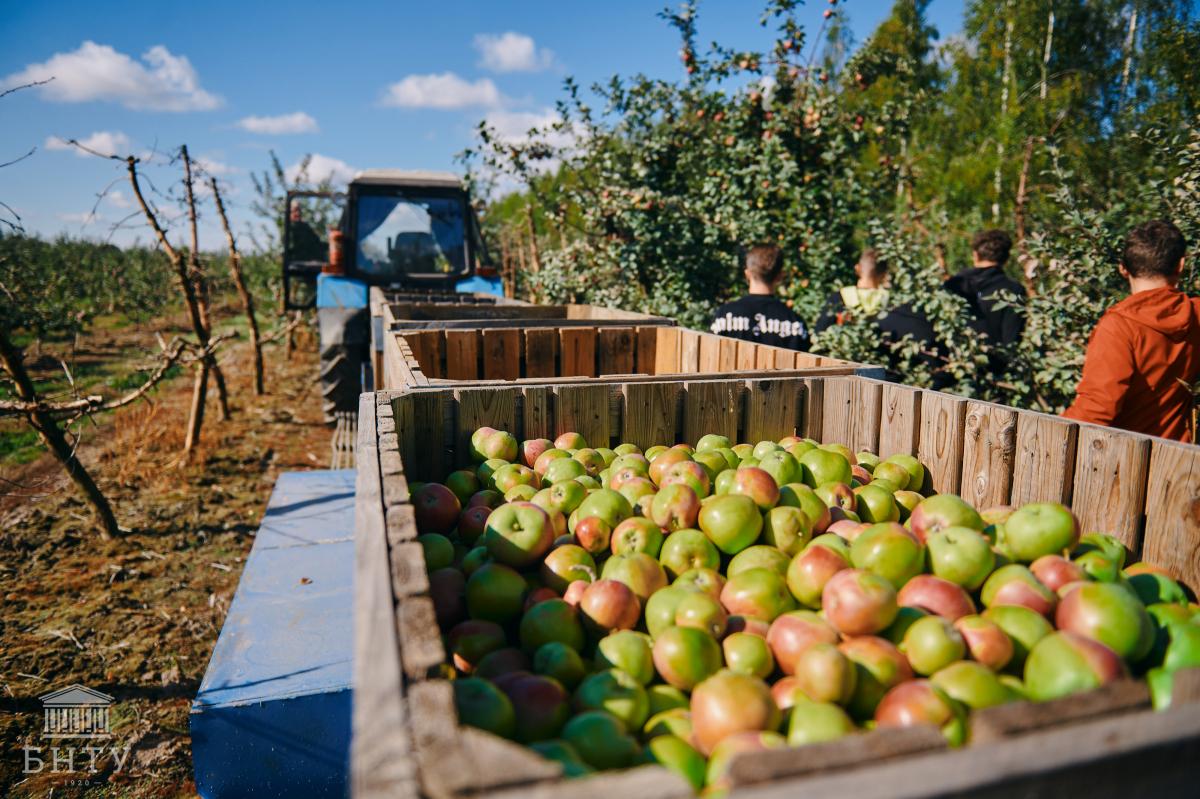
[373, 84]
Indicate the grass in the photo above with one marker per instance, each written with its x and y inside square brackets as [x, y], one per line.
[20, 446]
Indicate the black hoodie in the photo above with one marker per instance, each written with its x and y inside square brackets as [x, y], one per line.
[980, 287]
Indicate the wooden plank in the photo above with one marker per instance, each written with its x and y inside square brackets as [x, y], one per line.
[745, 355]
[850, 752]
[899, 420]
[710, 353]
[641, 782]
[583, 410]
[813, 420]
[804, 360]
[424, 455]
[764, 358]
[689, 352]
[1045, 459]
[432, 353]
[541, 353]
[615, 353]
[1172, 539]
[502, 354]
[784, 359]
[772, 409]
[537, 413]
[479, 408]
[851, 413]
[727, 354]
[1015, 718]
[649, 415]
[1138, 754]
[989, 446]
[421, 646]
[578, 349]
[712, 408]
[666, 353]
[1109, 493]
[940, 445]
[647, 350]
[381, 762]
[462, 354]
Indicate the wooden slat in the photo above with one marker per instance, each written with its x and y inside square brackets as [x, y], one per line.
[772, 409]
[1172, 539]
[578, 352]
[711, 408]
[1109, 494]
[541, 353]
[784, 359]
[899, 420]
[1014, 718]
[813, 420]
[666, 354]
[940, 445]
[764, 358]
[479, 408]
[583, 410]
[710, 353]
[649, 415]
[428, 347]
[745, 354]
[727, 354]
[462, 354]
[615, 350]
[804, 359]
[502, 354]
[420, 426]
[381, 759]
[537, 414]
[851, 413]
[647, 350]
[1045, 459]
[689, 352]
[989, 447]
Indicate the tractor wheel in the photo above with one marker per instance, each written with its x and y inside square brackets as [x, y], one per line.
[341, 380]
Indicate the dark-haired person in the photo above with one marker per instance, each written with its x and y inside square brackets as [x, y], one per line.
[760, 316]
[1144, 354]
[867, 297]
[983, 286]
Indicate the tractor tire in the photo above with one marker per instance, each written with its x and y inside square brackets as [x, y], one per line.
[341, 380]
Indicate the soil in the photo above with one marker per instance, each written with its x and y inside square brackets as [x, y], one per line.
[137, 617]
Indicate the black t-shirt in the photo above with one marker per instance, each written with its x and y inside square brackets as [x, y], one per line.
[762, 319]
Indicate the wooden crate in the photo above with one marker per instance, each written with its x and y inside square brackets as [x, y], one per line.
[1143, 490]
[444, 357]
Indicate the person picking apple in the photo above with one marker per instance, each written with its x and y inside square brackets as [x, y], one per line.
[1144, 354]
[760, 316]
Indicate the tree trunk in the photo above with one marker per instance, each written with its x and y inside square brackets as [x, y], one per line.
[200, 285]
[235, 269]
[1126, 68]
[1046, 53]
[196, 415]
[54, 440]
[1006, 79]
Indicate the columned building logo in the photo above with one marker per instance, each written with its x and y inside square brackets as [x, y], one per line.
[75, 712]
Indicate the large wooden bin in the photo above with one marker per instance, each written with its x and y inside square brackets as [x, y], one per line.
[1146, 491]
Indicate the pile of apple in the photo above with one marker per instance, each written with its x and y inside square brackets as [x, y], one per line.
[610, 607]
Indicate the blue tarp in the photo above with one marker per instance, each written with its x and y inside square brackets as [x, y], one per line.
[272, 718]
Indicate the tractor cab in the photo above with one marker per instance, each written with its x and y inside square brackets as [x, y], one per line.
[409, 231]
[398, 229]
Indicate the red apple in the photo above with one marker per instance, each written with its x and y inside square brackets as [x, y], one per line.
[637, 534]
[792, 633]
[436, 508]
[941, 511]
[675, 507]
[921, 702]
[469, 641]
[729, 703]
[574, 593]
[756, 484]
[879, 666]
[825, 674]
[540, 703]
[609, 605]
[986, 641]
[447, 589]
[809, 571]
[858, 602]
[566, 564]
[935, 595]
[642, 573]
[1109, 613]
[1015, 585]
[1064, 663]
[570, 440]
[593, 534]
[1055, 571]
[660, 464]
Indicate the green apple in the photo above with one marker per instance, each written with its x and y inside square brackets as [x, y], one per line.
[616, 692]
[820, 466]
[684, 550]
[732, 522]
[628, 651]
[816, 722]
[1040, 528]
[961, 555]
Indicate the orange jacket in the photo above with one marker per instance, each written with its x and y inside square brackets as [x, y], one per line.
[1141, 362]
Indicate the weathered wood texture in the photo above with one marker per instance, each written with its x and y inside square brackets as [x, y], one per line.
[1109, 492]
[989, 444]
[1172, 539]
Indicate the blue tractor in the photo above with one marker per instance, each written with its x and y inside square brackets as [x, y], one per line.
[410, 232]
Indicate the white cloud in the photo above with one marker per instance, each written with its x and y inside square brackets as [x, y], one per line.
[521, 127]
[444, 91]
[214, 167]
[162, 81]
[322, 168]
[105, 142]
[511, 52]
[280, 125]
[117, 199]
[81, 218]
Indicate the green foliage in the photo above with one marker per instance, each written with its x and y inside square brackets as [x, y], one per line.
[1063, 121]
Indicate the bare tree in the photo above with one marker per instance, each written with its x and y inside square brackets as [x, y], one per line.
[235, 270]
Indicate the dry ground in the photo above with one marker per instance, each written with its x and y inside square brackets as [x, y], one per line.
[137, 617]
